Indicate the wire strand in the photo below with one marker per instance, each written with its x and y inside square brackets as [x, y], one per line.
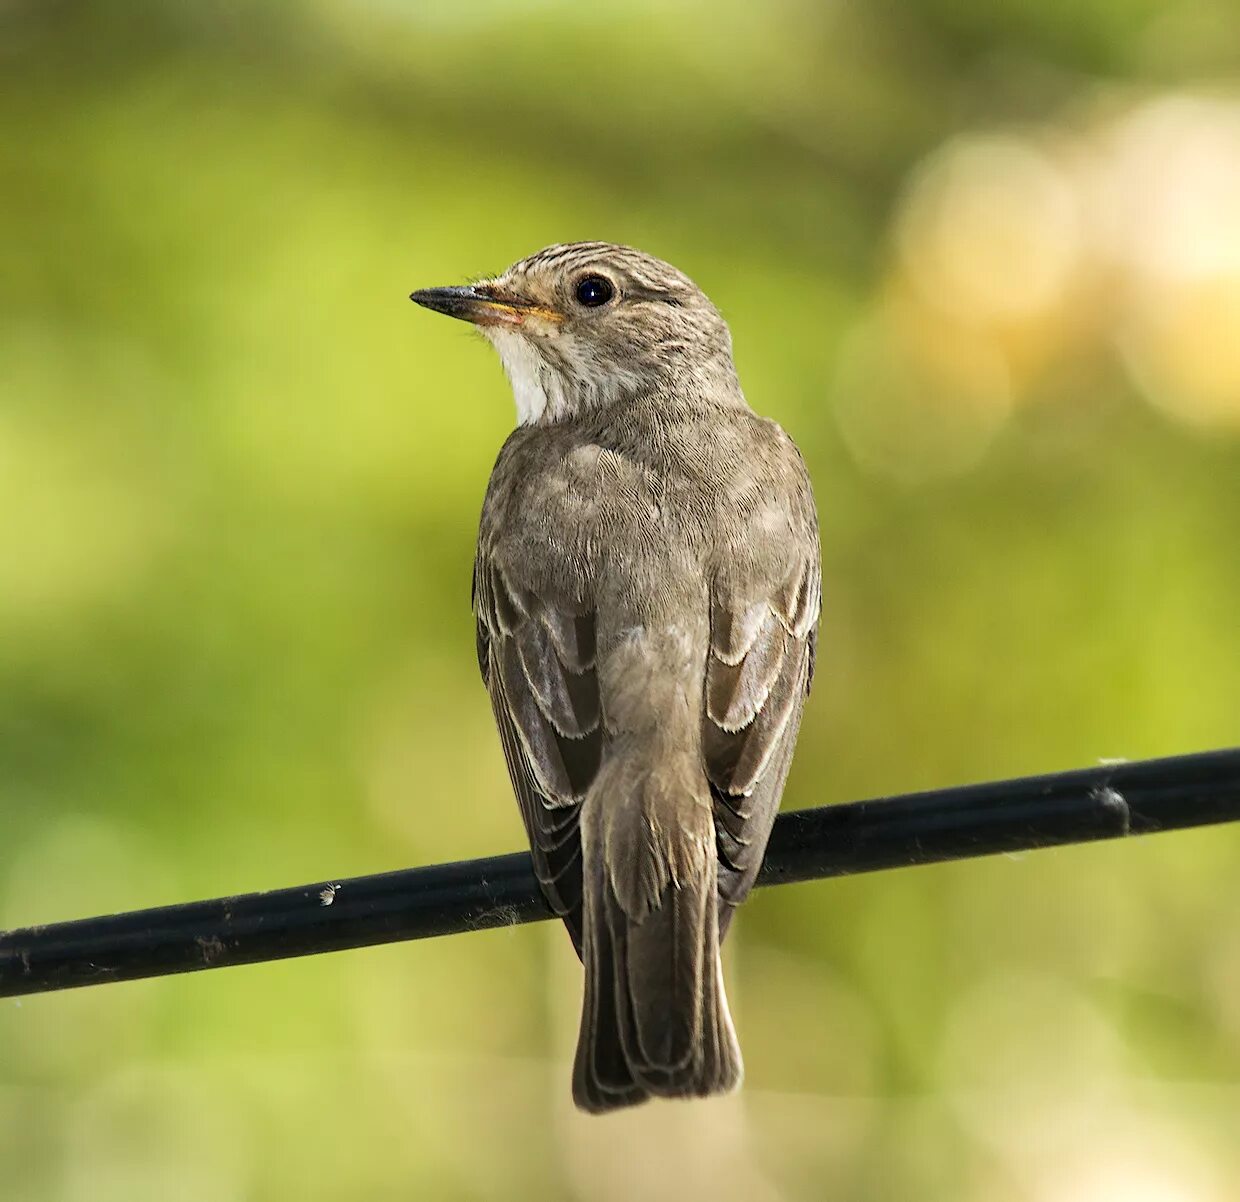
[1107, 802]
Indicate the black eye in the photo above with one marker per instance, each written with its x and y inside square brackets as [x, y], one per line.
[594, 290]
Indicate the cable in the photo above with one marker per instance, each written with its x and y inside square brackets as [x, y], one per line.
[1106, 802]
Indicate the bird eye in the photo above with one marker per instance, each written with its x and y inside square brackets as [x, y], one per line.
[594, 291]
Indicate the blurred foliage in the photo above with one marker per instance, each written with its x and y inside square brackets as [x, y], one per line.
[983, 261]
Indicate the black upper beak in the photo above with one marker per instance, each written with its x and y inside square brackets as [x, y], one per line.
[466, 303]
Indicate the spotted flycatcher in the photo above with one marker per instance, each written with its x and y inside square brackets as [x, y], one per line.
[646, 589]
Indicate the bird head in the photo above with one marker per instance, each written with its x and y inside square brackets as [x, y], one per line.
[586, 324]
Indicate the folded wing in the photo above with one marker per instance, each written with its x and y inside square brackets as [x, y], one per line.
[758, 673]
[537, 659]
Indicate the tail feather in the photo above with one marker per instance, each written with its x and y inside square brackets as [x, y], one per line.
[602, 1079]
[655, 1019]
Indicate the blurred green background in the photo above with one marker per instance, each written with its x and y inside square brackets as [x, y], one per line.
[982, 261]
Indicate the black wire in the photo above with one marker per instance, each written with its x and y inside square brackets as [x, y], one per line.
[920, 828]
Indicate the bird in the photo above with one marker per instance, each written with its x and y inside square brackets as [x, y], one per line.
[646, 589]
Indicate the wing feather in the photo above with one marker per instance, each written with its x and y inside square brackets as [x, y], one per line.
[537, 660]
[757, 676]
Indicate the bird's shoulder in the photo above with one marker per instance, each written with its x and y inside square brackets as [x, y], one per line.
[560, 500]
[758, 449]
[558, 473]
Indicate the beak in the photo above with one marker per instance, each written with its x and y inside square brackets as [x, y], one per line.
[482, 304]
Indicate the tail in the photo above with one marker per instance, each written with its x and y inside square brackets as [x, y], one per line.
[655, 1019]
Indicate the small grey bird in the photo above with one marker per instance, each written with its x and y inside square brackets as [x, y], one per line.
[646, 589]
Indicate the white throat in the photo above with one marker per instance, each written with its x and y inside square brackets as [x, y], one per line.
[536, 388]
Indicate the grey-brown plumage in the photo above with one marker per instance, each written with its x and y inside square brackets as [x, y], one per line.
[647, 590]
